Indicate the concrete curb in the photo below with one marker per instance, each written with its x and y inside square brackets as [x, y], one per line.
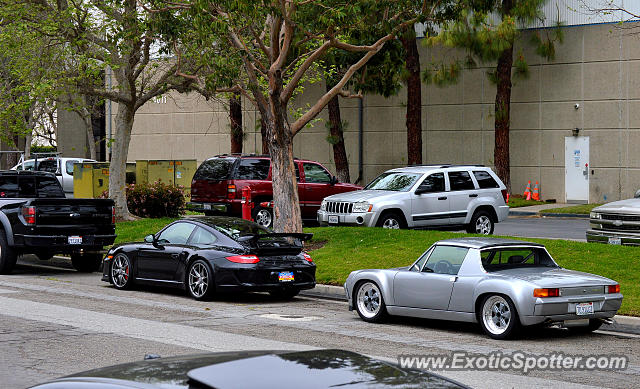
[625, 324]
[541, 214]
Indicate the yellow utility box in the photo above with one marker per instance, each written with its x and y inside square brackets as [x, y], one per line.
[171, 172]
[90, 179]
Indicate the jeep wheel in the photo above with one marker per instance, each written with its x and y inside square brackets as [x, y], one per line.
[481, 223]
[392, 220]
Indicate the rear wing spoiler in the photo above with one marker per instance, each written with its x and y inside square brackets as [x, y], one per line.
[255, 237]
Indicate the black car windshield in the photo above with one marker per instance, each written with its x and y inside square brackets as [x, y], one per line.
[515, 257]
[395, 181]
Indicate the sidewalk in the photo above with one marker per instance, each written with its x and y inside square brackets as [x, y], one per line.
[625, 324]
[534, 210]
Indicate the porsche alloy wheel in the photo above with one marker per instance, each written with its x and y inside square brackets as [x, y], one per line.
[369, 302]
[121, 271]
[499, 318]
[199, 280]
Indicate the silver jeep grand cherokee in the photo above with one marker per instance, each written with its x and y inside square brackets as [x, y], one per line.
[423, 196]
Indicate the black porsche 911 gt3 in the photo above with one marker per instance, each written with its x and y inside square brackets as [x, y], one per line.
[208, 254]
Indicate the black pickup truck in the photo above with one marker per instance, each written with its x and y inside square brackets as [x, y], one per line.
[36, 218]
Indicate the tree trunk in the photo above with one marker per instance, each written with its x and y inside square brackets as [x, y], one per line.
[502, 112]
[235, 117]
[286, 210]
[85, 114]
[265, 136]
[337, 138]
[119, 153]
[414, 98]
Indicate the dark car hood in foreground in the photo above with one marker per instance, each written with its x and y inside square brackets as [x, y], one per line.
[260, 369]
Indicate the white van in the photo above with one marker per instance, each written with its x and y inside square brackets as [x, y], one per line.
[61, 167]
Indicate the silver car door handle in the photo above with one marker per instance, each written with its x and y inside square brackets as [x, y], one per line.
[442, 198]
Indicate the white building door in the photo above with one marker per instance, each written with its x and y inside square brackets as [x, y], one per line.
[576, 171]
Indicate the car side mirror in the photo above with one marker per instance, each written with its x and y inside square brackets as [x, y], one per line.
[420, 191]
[637, 195]
[334, 180]
[149, 239]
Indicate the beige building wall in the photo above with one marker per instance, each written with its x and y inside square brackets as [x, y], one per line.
[597, 67]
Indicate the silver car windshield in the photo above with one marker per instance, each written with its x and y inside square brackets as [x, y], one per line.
[515, 258]
[395, 181]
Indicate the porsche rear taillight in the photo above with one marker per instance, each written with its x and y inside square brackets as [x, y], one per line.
[29, 214]
[244, 259]
[546, 292]
[307, 257]
[613, 288]
[231, 191]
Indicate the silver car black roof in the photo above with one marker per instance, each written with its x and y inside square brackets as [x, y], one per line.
[483, 243]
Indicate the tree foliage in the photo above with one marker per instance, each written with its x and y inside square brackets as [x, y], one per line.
[280, 44]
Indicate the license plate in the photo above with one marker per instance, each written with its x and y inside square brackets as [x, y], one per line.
[74, 240]
[584, 309]
[615, 240]
[207, 206]
[333, 219]
[285, 276]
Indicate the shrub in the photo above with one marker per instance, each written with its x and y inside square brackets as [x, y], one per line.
[154, 200]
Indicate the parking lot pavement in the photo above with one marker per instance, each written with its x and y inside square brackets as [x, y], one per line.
[55, 321]
[544, 227]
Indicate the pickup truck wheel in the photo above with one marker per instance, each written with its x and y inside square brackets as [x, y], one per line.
[120, 271]
[8, 256]
[263, 216]
[481, 223]
[86, 263]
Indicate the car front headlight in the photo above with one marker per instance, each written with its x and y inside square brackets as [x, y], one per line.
[323, 205]
[362, 207]
[594, 215]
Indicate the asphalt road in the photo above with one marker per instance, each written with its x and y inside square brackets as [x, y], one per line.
[54, 321]
[544, 227]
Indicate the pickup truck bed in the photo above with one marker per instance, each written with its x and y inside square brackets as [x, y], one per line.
[40, 220]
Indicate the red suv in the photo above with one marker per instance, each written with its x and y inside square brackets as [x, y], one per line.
[218, 182]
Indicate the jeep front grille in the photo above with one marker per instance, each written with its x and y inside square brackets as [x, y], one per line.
[339, 207]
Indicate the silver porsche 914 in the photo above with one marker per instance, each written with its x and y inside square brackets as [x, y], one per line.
[502, 284]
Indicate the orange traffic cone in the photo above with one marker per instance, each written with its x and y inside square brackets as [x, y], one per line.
[536, 192]
[527, 192]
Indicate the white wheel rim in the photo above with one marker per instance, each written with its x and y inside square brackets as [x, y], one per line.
[120, 270]
[263, 217]
[391, 223]
[496, 315]
[483, 225]
[369, 299]
[198, 279]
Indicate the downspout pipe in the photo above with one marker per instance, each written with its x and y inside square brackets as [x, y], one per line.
[360, 139]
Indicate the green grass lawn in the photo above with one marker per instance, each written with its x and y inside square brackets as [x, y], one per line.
[352, 248]
[582, 209]
[517, 202]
